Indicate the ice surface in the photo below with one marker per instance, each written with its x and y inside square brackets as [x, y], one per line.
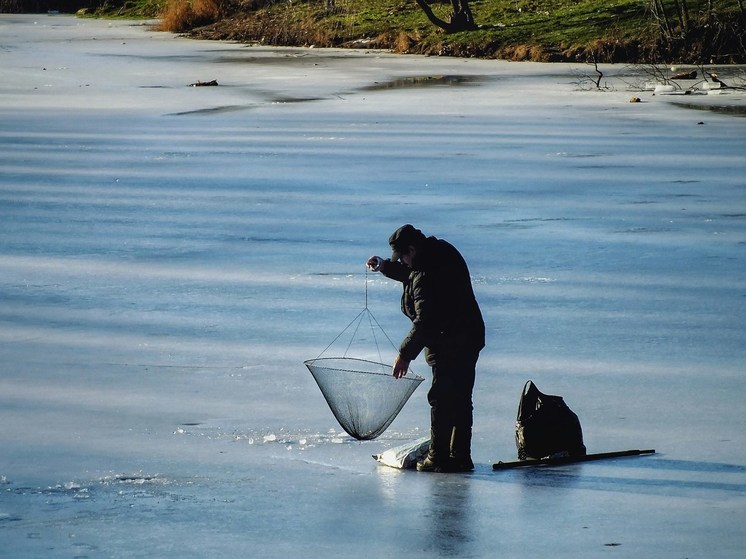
[170, 255]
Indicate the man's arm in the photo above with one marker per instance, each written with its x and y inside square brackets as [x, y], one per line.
[394, 270]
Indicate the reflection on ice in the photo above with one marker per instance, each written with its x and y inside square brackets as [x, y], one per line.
[613, 478]
[427, 81]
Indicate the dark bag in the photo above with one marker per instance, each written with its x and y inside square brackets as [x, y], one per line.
[545, 426]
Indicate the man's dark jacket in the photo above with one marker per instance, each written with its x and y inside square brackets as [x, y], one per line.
[439, 299]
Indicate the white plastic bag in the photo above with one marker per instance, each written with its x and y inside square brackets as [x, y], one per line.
[406, 456]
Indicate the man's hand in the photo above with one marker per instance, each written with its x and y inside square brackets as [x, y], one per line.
[401, 366]
[374, 263]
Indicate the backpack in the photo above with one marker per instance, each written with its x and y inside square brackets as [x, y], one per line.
[546, 426]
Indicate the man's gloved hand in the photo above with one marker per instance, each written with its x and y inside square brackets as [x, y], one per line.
[374, 263]
[401, 366]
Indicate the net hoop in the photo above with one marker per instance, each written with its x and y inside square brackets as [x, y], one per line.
[376, 367]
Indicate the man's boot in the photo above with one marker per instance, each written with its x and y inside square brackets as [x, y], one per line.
[438, 456]
[461, 450]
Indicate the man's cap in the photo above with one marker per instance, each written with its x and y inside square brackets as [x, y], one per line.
[402, 238]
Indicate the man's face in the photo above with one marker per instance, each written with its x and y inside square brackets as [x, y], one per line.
[408, 257]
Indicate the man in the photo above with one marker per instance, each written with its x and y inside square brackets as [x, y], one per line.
[447, 324]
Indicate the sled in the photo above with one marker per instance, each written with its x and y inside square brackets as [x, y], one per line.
[562, 460]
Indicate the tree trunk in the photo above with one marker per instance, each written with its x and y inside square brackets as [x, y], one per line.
[461, 18]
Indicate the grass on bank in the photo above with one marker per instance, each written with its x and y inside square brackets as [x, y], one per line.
[512, 21]
[694, 31]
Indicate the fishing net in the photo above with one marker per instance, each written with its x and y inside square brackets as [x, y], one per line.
[363, 395]
[361, 391]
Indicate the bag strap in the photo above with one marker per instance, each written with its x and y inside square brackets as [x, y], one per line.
[526, 389]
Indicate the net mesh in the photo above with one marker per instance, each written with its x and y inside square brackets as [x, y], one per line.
[363, 395]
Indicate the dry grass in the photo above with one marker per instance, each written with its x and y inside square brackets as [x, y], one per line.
[179, 16]
[403, 42]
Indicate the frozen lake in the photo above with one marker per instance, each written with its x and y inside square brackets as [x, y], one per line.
[170, 255]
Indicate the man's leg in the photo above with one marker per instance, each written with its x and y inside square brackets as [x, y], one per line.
[463, 417]
[450, 416]
[441, 425]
